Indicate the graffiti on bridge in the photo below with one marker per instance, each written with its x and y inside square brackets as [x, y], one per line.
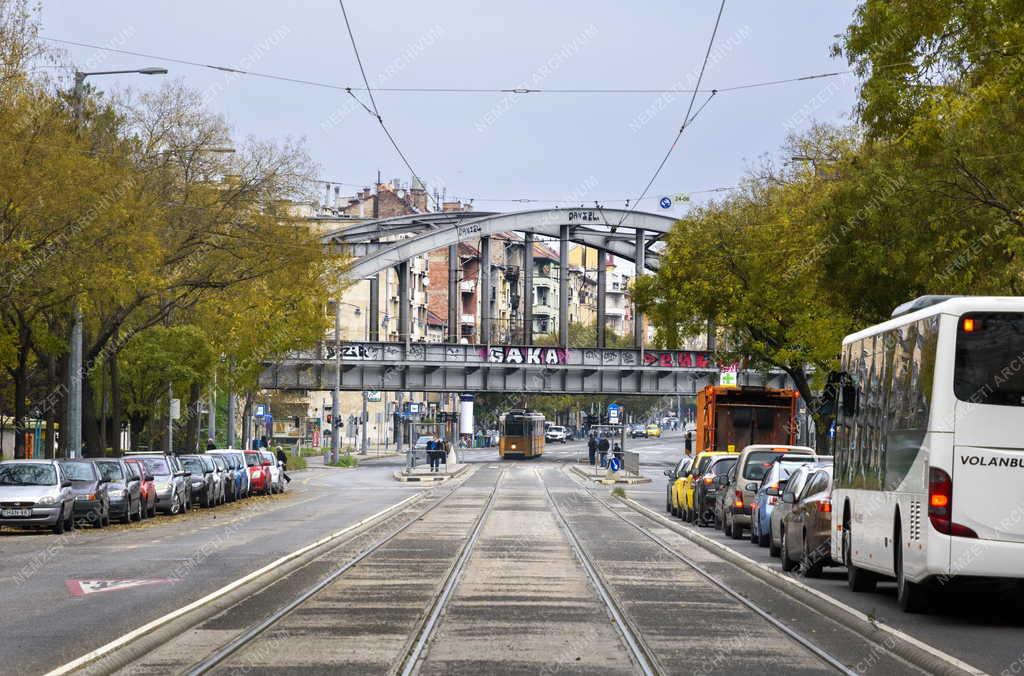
[539, 356]
[677, 359]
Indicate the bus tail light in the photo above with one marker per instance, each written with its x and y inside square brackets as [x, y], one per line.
[940, 505]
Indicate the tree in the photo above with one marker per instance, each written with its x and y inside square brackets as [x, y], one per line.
[585, 335]
[743, 262]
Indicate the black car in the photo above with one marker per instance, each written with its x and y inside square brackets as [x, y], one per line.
[637, 432]
[124, 489]
[203, 480]
[706, 488]
[92, 502]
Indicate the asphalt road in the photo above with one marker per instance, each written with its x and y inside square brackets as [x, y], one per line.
[45, 624]
[136, 573]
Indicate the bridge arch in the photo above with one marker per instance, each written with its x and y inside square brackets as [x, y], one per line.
[626, 234]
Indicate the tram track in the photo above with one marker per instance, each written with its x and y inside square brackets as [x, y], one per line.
[607, 587]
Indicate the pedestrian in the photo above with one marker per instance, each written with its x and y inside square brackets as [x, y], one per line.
[263, 442]
[602, 450]
[435, 454]
[210, 444]
[617, 451]
[283, 459]
[592, 447]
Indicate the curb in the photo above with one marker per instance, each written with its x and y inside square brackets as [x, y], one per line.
[429, 478]
[912, 650]
[625, 481]
[177, 621]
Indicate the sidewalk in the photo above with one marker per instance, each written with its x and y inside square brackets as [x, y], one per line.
[603, 476]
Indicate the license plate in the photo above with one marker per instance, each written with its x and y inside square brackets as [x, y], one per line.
[15, 512]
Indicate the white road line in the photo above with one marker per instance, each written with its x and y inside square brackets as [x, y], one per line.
[209, 598]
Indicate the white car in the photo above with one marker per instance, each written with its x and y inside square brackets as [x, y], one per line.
[276, 473]
[556, 433]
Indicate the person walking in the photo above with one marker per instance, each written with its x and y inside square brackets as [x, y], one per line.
[210, 444]
[602, 450]
[592, 447]
[617, 452]
[283, 459]
[435, 453]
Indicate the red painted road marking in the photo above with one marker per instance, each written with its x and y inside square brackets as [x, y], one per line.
[79, 588]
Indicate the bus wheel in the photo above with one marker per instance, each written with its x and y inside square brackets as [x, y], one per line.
[857, 579]
[912, 596]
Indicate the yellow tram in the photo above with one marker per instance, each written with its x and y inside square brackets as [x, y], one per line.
[521, 434]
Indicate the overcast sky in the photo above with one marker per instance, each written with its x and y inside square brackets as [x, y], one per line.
[571, 147]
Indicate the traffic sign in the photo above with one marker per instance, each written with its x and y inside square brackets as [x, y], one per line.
[614, 413]
[614, 464]
[373, 395]
[665, 203]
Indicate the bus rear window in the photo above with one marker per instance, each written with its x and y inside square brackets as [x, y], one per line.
[990, 359]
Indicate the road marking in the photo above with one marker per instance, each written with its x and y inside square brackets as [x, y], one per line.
[80, 588]
[223, 591]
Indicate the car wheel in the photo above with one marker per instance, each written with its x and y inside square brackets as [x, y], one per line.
[763, 539]
[668, 503]
[725, 524]
[152, 510]
[912, 596]
[755, 538]
[139, 513]
[175, 504]
[812, 562]
[857, 579]
[127, 518]
[737, 531]
[59, 525]
[70, 525]
[787, 563]
[773, 549]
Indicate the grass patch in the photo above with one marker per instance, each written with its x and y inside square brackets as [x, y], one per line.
[345, 461]
[619, 492]
[296, 462]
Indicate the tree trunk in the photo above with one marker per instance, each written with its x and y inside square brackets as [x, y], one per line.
[20, 375]
[90, 425]
[61, 408]
[51, 386]
[193, 423]
[247, 426]
[116, 412]
[136, 423]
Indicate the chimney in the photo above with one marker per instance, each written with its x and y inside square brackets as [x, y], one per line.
[337, 196]
[327, 196]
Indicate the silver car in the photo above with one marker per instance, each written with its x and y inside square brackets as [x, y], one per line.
[35, 493]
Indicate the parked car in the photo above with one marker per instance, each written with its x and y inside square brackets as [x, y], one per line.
[723, 499]
[754, 461]
[637, 431]
[92, 501]
[653, 430]
[236, 460]
[556, 433]
[706, 487]
[807, 529]
[259, 475]
[218, 478]
[124, 489]
[684, 487]
[147, 487]
[202, 482]
[672, 474]
[794, 484]
[276, 473]
[173, 492]
[36, 493]
[227, 477]
[768, 498]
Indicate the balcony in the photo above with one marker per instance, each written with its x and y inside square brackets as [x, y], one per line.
[545, 282]
[468, 319]
[467, 286]
[544, 310]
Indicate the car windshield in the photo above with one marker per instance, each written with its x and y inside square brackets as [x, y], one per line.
[79, 471]
[111, 471]
[722, 467]
[219, 462]
[759, 462]
[157, 466]
[192, 465]
[252, 459]
[422, 441]
[16, 474]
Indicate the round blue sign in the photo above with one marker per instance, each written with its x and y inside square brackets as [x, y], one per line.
[614, 465]
[665, 203]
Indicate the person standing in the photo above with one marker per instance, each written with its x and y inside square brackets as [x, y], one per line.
[602, 449]
[435, 454]
[592, 447]
[617, 452]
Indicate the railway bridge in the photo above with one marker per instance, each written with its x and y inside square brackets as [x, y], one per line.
[454, 366]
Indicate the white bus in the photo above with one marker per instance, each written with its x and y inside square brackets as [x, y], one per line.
[929, 447]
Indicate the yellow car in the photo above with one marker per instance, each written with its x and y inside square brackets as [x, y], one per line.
[686, 485]
[653, 430]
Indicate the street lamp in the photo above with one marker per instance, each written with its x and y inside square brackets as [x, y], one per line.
[74, 416]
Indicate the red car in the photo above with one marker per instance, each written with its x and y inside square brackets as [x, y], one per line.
[259, 473]
[147, 488]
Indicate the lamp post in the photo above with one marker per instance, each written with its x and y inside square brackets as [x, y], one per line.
[74, 413]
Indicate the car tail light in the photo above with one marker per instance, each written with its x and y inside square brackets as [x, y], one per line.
[773, 500]
[825, 506]
[709, 479]
[739, 499]
[940, 505]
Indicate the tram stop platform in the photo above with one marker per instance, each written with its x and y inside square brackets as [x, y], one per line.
[605, 476]
[423, 474]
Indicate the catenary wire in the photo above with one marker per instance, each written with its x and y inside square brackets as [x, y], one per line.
[687, 120]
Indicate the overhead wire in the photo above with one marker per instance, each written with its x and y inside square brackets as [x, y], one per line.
[687, 119]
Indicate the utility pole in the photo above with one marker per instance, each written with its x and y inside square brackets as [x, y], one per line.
[364, 444]
[336, 392]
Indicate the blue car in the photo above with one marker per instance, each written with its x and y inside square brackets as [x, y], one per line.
[767, 496]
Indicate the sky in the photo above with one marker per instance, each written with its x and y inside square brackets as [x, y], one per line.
[493, 148]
